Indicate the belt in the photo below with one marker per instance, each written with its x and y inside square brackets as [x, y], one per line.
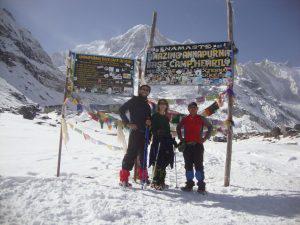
[192, 143]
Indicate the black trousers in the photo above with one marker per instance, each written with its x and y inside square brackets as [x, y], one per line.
[193, 156]
[162, 147]
[136, 145]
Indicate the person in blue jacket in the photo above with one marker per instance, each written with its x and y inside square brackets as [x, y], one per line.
[140, 117]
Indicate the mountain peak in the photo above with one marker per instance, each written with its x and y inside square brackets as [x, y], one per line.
[140, 27]
[133, 44]
[188, 41]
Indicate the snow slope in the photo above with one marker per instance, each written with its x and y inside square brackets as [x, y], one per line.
[26, 66]
[264, 187]
[269, 92]
[10, 96]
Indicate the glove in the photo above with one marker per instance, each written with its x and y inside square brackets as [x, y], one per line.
[175, 143]
[181, 146]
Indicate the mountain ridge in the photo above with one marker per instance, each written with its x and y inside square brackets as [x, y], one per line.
[25, 66]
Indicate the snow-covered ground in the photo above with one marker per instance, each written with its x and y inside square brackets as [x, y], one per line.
[265, 184]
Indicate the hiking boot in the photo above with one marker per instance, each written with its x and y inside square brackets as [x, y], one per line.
[156, 186]
[201, 187]
[124, 176]
[143, 176]
[147, 181]
[125, 184]
[159, 187]
[188, 186]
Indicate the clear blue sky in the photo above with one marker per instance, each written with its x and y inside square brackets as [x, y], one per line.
[263, 28]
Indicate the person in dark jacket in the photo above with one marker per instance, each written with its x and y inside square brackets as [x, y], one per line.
[193, 125]
[140, 117]
[161, 151]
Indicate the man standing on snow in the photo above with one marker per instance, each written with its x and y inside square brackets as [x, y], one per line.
[193, 140]
[140, 115]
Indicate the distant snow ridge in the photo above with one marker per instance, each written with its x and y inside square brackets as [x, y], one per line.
[269, 93]
[25, 66]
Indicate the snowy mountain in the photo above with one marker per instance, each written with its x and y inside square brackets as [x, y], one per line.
[267, 93]
[26, 70]
[131, 44]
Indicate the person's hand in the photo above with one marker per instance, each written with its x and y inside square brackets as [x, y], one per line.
[132, 126]
[148, 123]
[181, 142]
[175, 143]
[203, 140]
[181, 146]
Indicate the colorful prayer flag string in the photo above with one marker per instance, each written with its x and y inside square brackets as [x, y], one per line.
[91, 139]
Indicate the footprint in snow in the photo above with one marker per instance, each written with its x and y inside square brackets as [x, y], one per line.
[32, 173]
[292, 158]
[97, 158]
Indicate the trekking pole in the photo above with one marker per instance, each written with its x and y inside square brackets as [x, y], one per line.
[175, 169]
[144, 166]
[155, 164]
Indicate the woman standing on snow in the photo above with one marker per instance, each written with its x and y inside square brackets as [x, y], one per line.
[161, 152]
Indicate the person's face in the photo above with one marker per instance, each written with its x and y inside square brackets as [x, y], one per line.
[144, 91]
[162, 107]
[193, 110]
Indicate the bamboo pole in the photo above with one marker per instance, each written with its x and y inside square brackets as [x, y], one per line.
[230, 98]
[63, 109]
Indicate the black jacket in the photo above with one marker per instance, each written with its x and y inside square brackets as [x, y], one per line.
[139, 110]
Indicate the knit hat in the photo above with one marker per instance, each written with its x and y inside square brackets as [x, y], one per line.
[192, 104]
[145, 85]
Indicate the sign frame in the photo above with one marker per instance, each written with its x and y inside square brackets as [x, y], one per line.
[111, 92]
[199, 79]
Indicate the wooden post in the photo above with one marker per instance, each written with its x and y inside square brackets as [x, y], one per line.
[136, 161]
[63, 110]
[152, 34]
[151, 40]
[139, 62]
[230, 98]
